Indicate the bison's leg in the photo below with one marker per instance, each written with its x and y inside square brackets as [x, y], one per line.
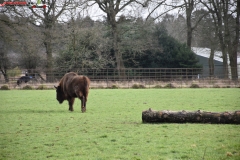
[70, 103]
[83, 101]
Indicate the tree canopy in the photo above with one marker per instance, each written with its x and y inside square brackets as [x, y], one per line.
[63, 36]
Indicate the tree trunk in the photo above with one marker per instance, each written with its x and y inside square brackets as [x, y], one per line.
[48, 46]
[233, 47]
[4, 72]
[118, 55]
[49, 23]
[189, 9]
[211, 62]
[233, 63]
[166, 116]
[112, 8]
[4, 63]
[218, 22]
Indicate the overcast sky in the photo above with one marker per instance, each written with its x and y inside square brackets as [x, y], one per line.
[133, 10]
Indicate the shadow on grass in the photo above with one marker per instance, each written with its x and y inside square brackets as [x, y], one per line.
[36, 111]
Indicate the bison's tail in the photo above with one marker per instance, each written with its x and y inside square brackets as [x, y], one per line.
[86, 81]
[86, 85]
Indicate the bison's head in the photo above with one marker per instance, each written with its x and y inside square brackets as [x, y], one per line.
[60, 94]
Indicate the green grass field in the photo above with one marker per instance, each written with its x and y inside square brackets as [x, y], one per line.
[34, 126]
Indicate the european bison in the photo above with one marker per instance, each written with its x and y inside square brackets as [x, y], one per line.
[71, 86]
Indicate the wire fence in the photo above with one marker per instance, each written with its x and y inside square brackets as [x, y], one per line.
[127, 78]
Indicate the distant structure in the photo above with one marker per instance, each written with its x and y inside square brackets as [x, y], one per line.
[203, 57]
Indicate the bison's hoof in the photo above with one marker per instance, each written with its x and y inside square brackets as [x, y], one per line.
[83, 110]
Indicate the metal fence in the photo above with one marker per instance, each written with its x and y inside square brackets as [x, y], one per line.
[126, 78]
[157, 74]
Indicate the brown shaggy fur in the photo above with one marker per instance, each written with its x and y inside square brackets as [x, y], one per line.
[71, 86]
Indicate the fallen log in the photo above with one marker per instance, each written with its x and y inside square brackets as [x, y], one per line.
[166, 116]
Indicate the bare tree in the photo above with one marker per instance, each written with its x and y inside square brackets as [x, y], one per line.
[48, 17]
[225, 14]
[9, 30]
[86, 46]
[4, 40]
[112, 8]
[189, 6]
[29, 46]
[234, 44]
[206, 36]
[4, 61]
[176, 26]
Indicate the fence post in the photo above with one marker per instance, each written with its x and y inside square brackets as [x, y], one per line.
[128, 78]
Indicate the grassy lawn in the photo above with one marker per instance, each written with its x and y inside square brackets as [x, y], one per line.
[34, 126]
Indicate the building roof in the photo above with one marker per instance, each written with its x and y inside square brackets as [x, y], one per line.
[205, 52]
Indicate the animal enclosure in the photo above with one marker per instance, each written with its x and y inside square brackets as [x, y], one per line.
[34, 126]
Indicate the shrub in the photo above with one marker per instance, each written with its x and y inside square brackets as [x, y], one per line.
[41, 87]
[14, 72]
[216, 86]
[169, 85]
[5, 87]
[27, 87]
[141, 86]
[157, 86]
[100, 87]
[114, 86]
[135, 86]
[226, 87]
[194, 86]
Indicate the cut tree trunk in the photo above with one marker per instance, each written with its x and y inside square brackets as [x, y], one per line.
[166, 116]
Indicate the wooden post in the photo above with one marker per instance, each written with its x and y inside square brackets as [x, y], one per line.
[166, 116]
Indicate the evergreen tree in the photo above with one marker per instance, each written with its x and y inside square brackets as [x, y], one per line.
[167, 53]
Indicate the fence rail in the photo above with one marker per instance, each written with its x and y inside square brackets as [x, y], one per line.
[107, 77]
[160, 74]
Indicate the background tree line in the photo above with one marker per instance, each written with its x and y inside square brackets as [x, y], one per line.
[61, 37]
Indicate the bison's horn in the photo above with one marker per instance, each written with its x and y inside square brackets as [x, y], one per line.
[55, 87]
